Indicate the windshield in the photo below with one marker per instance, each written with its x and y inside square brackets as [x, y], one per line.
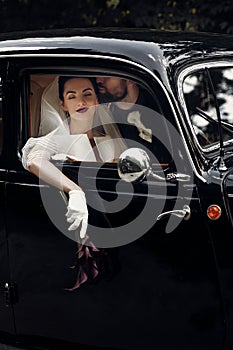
[202, 108]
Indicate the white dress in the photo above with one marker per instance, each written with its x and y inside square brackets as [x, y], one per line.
[60, 145]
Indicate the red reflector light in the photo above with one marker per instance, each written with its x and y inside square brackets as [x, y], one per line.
[214, 212]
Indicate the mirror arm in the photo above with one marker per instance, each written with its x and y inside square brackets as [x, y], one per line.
[171, 177]
[177, 177]
[156, 176]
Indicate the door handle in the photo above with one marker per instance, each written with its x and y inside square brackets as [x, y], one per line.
[182, 213]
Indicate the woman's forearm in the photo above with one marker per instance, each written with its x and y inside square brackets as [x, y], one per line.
[49, 173]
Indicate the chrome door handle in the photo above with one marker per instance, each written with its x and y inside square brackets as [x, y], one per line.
[183, 213]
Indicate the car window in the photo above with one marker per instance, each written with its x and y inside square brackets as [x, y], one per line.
[201, 103]
[130, 126]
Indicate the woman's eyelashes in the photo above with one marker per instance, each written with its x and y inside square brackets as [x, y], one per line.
[72, 96]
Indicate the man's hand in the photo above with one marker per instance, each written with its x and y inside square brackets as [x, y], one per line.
[77, 213]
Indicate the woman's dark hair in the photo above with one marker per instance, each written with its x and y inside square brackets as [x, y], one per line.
[63, 79]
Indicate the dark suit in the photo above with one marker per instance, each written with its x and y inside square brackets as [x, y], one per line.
[141, 126]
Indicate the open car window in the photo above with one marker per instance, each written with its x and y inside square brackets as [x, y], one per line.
[129, 125]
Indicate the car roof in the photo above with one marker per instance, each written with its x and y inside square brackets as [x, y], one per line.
[148, 47]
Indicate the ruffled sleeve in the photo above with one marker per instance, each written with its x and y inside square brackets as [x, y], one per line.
[41, 147]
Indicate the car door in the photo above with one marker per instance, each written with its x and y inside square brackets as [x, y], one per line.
[157, 281]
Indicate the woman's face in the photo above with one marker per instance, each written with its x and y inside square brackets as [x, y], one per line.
[79, 97]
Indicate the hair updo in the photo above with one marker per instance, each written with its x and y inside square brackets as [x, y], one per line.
[63, 79]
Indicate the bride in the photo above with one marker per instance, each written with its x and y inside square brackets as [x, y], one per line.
[97, 138]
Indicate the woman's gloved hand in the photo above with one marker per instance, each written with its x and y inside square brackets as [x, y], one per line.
[77, 213]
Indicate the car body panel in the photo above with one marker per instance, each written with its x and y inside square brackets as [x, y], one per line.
[171, 269]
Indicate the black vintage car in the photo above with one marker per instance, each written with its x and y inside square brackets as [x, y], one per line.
[166, 279]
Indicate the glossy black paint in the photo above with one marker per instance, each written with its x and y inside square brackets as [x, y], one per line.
[163, 291]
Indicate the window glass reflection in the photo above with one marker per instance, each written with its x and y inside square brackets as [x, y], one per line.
[201, 105]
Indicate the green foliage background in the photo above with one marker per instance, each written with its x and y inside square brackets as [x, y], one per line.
[189, 15]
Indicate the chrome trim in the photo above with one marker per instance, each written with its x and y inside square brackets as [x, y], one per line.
[130, 63]
[29, 185]
[184, 213]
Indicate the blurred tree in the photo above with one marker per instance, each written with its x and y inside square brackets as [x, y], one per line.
[191, 15]
[217, 16]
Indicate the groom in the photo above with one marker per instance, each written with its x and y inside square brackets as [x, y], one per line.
[134, 111]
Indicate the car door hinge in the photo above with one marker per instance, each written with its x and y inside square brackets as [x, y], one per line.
[10, 294]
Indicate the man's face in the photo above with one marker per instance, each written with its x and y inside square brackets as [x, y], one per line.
[112, 89]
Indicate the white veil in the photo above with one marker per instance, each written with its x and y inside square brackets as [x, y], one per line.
[52, 114]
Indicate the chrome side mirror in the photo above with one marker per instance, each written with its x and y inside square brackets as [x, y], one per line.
[134, 165]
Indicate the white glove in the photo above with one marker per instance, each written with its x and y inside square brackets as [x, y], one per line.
[77, 213]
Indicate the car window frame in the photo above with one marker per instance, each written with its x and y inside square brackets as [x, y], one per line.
[195, 68]
[72, 70]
